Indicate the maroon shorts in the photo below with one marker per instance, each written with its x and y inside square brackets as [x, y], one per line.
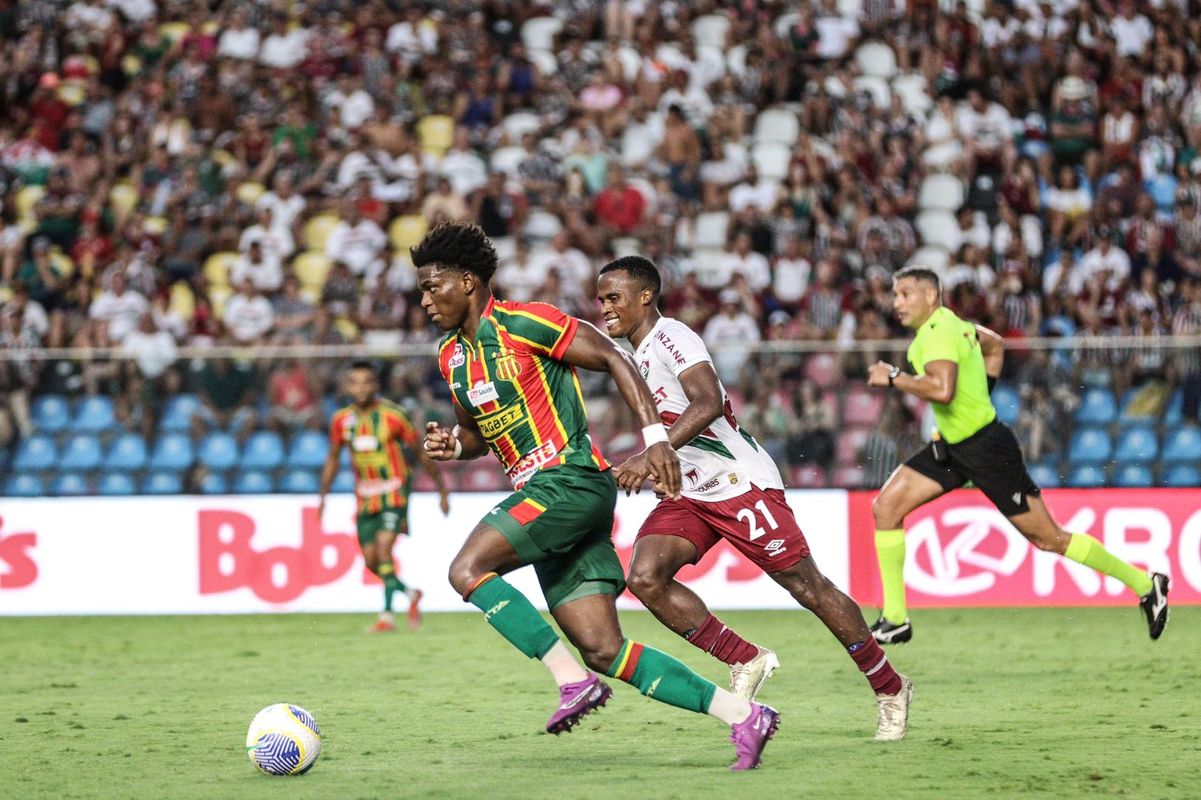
[759, 524]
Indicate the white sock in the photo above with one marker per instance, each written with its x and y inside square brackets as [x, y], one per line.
[385, 616]
[729, 708]
[410, 593]
[563, 666]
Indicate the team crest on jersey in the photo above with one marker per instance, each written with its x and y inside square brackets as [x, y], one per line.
[645, 369]
[458, 358]
[733, 477]
[507, 367]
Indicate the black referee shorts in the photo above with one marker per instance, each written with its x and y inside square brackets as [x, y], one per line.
[991, 459]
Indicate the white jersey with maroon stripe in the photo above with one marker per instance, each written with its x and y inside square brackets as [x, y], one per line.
[723, 461]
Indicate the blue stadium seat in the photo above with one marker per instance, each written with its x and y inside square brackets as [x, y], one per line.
[177, 416]
[51, 413]
[115, 484]
[162, 483]
[1137, 445]
[1182, 476]
[127, 452]
[299, 481]
[35, 453]
[218, 450]
[1089, 444]
[24, 485]
[308, 449]
[343, 482]
[253, 482]
[329, 406]
[1087, 476]
[1182, 444]
[70, 484]
[214, 483]
[1045, 475]
[82, 451]
[172, 451]
[1133, 476]
[264, 450]
[1097, 407]
[94, 415]
[1007, 402]
[1172, 413]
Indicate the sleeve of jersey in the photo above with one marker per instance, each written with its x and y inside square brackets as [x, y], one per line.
[681, 348]
[544, 328]
[404, 429]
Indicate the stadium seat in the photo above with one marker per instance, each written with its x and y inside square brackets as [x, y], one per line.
[299, 481]
[808, 476]
[94, 415]
[1045, 475]
[24, 485]
[217, 266]
[1173, 413]
[311, 268]
[214, 483]
[1087, 476]
[1097, 407]
[545, 61]
[1133, 476]
[939, 227]
[777, 126]
[911, 88]
[183, 301]
[1136, 445]
[316, 231]
[782, 26]
[1182, 476]
[26, 198]
[848, 446]
[940, 191]
[162, 483]
[518, 124]
[253, 482]
[862, 407]
[343, 482]
[931, 257]
[1007, 402]
[542, 225]
[308, 449]
[249, 192]
[218, 450]
[710, 30]
[406, 231]
[822, 369]
[177, 415]
[69, 484]
[878, 88]
[51, 413]
[124, 198]
[172, 451]
[507, 160]
[1182, 445]
[115, 484]
[538, 33]
[264, 450]
[771, 160]
[35, 453]
[848, 477]
[1089, 445]
[436, 132]
[876, 58]
[712, 228]
[126, 452]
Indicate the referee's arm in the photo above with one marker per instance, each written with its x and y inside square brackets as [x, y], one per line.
[937, 384]
[992, 347]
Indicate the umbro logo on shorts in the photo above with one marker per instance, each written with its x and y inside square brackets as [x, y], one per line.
[775, 547]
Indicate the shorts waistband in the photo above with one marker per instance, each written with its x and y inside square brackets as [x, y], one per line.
[996, 422]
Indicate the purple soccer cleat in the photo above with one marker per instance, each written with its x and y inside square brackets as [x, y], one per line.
[576, 700]
[751, 736]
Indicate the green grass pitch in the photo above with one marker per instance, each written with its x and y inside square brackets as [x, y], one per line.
[1009, 703]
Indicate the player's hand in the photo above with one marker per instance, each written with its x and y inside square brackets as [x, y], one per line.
[439, 442]
[877, 374]
[633, 473]
[444, 502]
[666, 467]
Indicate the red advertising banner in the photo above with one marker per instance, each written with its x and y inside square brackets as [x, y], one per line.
[960, 551]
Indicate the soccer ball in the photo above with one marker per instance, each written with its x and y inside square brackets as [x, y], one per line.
[283, 740]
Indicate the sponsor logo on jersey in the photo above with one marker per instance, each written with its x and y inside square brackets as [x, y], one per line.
[483, 393]
[507, 367]
[708, 485]
[458, 358]
[496, 424]
[364, 444]
[670, 347]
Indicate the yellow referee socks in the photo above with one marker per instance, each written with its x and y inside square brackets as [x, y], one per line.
[1084, 549]
[890, 551]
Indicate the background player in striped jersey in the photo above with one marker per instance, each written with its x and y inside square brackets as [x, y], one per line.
[511, 371]
[377, 431]
[732, 490]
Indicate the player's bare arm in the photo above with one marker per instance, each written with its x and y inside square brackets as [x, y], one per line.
[432, 470]
[440, 442]
[937, 385]
[593, 350]
[992, 347]
[328, 471]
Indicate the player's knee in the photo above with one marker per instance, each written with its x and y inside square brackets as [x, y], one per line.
[1049, 541]
[463, 574]
[884, 512]
[646, 582]
[599, 656]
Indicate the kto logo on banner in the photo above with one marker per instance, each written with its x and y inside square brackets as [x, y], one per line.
[961, 551]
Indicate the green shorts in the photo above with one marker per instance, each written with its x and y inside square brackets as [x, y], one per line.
[392, 519]
[562, 522]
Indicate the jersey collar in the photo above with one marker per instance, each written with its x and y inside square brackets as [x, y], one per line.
[935, 318]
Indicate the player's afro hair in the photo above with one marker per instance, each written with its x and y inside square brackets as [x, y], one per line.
[640, 268]
[457, 245]
[919, 273]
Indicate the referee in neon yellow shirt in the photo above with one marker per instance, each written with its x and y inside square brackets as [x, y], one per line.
[955, 364]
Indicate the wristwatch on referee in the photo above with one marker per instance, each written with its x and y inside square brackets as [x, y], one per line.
[892, 374]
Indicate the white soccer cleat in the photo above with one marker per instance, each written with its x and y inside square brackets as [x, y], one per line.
[747, 679]
[892, 720]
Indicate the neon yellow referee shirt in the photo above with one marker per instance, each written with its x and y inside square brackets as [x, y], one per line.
[946, 337]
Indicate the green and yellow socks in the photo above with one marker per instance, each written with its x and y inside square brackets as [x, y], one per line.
[512, 615]
[661, 677]
[392, 584]
[890, 552]
[1084, 549]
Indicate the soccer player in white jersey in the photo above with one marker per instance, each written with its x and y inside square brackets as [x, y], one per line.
[732, 490]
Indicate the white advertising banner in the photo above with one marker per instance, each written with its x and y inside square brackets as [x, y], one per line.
[237, 554]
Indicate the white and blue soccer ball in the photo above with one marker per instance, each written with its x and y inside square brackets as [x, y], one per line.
[283, 740]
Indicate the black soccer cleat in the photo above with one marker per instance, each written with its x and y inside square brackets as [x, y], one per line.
[885, 632]
[1155, 604]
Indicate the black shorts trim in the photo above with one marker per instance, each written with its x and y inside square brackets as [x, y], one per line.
[991, 458]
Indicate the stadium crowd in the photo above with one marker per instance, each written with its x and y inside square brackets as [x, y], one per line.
[179, 173]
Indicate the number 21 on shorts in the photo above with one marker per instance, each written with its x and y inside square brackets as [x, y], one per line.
[747, 515]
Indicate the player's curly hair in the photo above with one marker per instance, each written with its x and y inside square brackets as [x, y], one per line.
[457, 245]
